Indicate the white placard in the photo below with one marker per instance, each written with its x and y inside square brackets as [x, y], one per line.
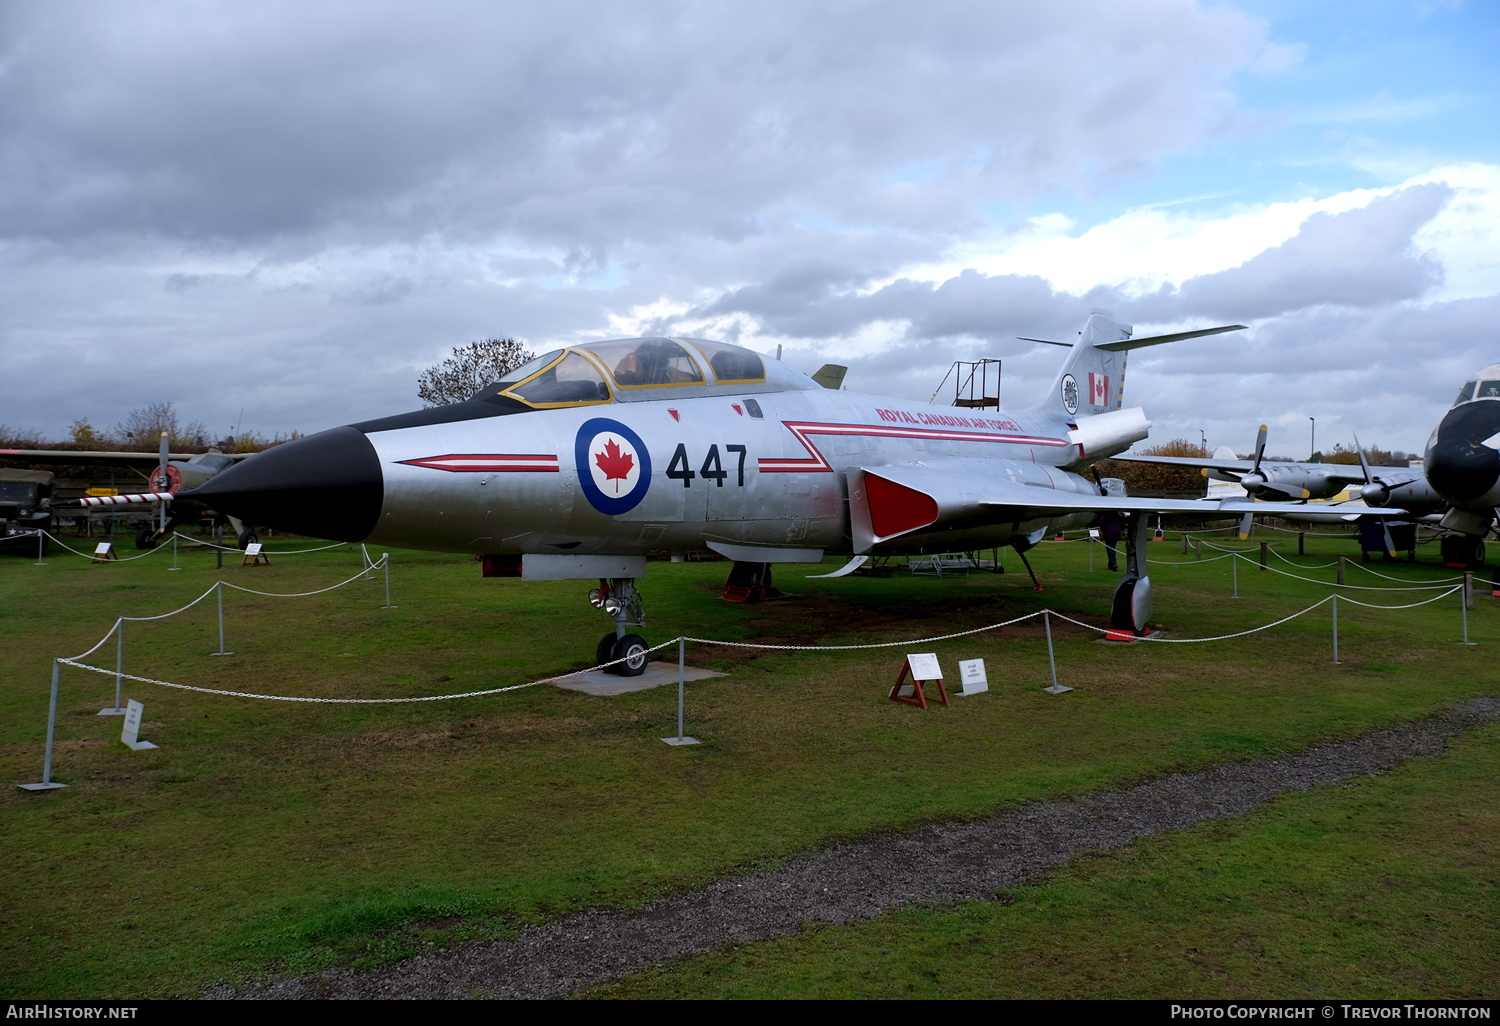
[134, 713]
[102, 549]
[1094, 533]
[924, 666]
[971, 674]
[132, 729]
[253, 549]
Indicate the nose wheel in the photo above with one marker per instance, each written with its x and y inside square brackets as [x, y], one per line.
[622, 602]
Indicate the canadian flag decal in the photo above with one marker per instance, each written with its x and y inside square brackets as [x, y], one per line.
[1098, 389]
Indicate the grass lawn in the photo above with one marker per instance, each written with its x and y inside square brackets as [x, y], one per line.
[270, 837]
[1387, 888]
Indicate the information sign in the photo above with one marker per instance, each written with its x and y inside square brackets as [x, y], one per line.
[971, 673]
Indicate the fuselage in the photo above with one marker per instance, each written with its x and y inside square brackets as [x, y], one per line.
[1462, 463]
[671, 466]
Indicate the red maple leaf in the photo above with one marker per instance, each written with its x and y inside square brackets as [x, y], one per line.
[615, 464]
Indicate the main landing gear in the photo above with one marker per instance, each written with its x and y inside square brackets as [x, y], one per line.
[617, 597]
[1132, 606]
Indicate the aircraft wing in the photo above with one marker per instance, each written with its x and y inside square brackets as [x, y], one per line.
[888, 502]
[1329, 471]
[130, 459]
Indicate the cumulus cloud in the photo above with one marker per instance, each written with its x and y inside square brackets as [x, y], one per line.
[577, 124]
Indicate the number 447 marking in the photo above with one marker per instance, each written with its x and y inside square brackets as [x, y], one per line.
[712, 470]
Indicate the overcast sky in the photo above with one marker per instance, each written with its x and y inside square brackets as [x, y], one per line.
[282, 213]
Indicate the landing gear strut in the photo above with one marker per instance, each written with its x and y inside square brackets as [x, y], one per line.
[618, 597]
[1132, 605]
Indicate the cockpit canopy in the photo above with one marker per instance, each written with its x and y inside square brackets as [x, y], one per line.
[1484, 385]
[642, 368]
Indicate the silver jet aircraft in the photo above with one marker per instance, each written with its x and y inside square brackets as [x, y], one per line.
[582, 460]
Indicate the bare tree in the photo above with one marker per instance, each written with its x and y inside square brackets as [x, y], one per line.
[142, 427]
[470, 369]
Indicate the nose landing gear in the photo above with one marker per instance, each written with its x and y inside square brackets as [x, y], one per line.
[619, 598]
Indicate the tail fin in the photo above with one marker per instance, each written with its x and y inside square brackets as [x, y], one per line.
[1092, 379]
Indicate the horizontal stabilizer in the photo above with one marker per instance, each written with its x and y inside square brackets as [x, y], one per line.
[1156, 340]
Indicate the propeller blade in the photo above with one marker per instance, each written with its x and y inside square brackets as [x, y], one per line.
[1390, 544]
[1245, 523]
[1260, 449]
[1362, 464]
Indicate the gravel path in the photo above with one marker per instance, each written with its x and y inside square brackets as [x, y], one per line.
[850, 881]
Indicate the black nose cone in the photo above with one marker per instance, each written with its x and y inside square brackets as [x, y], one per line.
[1459, 466]
[327, 485]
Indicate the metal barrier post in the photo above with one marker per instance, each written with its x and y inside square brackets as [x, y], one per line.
[1335, 604]
[1468, 589]
[681, 738]
[1056, 688]
[1463, 607]
[118, 709]
[47, 784]
[41, 546]
[174, 565]
[385, 557]
[1234, 573]
[221, 652]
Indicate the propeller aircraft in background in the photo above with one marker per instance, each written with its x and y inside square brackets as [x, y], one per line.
[583, 459]
[1458, 482]
[172, 474]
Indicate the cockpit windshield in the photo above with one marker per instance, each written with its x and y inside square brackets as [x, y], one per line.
[573, 379]
[1488, 390]
[1466, 393]
[647, 362]
[731, 365]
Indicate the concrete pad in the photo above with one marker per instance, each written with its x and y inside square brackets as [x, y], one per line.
[601, 682]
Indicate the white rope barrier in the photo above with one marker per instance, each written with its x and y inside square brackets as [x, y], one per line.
[75, 660]
[1409, 605]
[875, 644]
[215, 587]
[1356, 587]
[303, 594]
[90, 555]
[1377, 573]
[1221, 637]
[361, 701]
[1315, 566]
[268, 552]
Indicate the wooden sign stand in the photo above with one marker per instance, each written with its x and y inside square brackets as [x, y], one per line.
[254, 556]
[927, 665]
[104, 552]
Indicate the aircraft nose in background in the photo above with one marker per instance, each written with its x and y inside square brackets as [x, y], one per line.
[1459, 466]
[327, 485]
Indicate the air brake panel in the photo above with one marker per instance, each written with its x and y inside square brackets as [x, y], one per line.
[896, 509]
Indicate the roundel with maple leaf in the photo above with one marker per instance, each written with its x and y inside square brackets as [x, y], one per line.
[614, 468]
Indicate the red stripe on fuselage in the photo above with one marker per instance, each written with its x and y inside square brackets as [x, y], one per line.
[488, 463]
[818, 464]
